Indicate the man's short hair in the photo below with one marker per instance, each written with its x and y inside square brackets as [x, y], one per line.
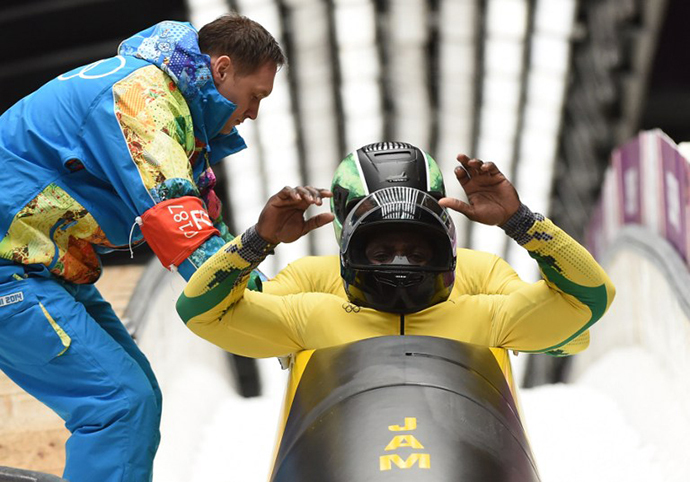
[247, 43]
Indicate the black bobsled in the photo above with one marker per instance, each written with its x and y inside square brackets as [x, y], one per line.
[401, 408]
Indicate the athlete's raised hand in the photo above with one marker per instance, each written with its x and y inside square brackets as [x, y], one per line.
[282, 219]
[492, 199]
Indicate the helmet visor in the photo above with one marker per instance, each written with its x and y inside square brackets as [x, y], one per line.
[418, 232]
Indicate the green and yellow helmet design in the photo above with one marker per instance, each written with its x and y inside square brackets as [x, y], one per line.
[381, 165]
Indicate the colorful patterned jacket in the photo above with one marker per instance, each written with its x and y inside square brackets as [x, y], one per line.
[91, 151]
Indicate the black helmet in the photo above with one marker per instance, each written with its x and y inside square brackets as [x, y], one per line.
[398, 287]
[381, 165]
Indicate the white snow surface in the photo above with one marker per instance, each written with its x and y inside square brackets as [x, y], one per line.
[620, 421]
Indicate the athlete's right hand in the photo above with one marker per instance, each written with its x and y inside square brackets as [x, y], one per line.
[282, 219]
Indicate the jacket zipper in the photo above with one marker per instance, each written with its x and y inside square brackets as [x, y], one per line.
[402, 324]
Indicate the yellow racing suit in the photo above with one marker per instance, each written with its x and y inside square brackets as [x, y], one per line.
[305, 307]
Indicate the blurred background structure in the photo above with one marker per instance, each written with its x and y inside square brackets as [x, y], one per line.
[544, 88]
[547, 89]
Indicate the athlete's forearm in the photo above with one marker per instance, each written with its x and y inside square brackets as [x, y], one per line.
[220, 282]
[565, 265]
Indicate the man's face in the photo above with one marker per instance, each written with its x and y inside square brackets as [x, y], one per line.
[398, 247]
[245, 91]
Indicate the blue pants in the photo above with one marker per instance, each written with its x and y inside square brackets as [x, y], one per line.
[64, 344]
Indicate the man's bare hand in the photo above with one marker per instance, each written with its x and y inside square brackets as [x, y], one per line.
[282, 219]
[492, 198]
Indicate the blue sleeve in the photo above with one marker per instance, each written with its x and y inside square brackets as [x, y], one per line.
[139, 138]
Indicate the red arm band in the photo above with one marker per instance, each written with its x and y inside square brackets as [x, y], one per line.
[175, 228]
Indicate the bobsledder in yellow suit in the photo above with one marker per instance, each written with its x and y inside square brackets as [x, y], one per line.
[489, 305]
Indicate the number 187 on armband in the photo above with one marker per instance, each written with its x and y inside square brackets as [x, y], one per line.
[189, 222]
[176, 227]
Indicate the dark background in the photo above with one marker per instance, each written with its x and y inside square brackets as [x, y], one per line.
[629, 71]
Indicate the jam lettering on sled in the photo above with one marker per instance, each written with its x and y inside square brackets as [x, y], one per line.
[421, 460]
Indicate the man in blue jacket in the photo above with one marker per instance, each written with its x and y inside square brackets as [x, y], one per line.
[110, 155]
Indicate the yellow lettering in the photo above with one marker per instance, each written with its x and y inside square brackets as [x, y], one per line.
[410, 424]
[386, 461]
[404, 441]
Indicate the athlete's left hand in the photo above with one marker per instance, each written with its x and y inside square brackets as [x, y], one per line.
[282, 219]
[492, 198]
